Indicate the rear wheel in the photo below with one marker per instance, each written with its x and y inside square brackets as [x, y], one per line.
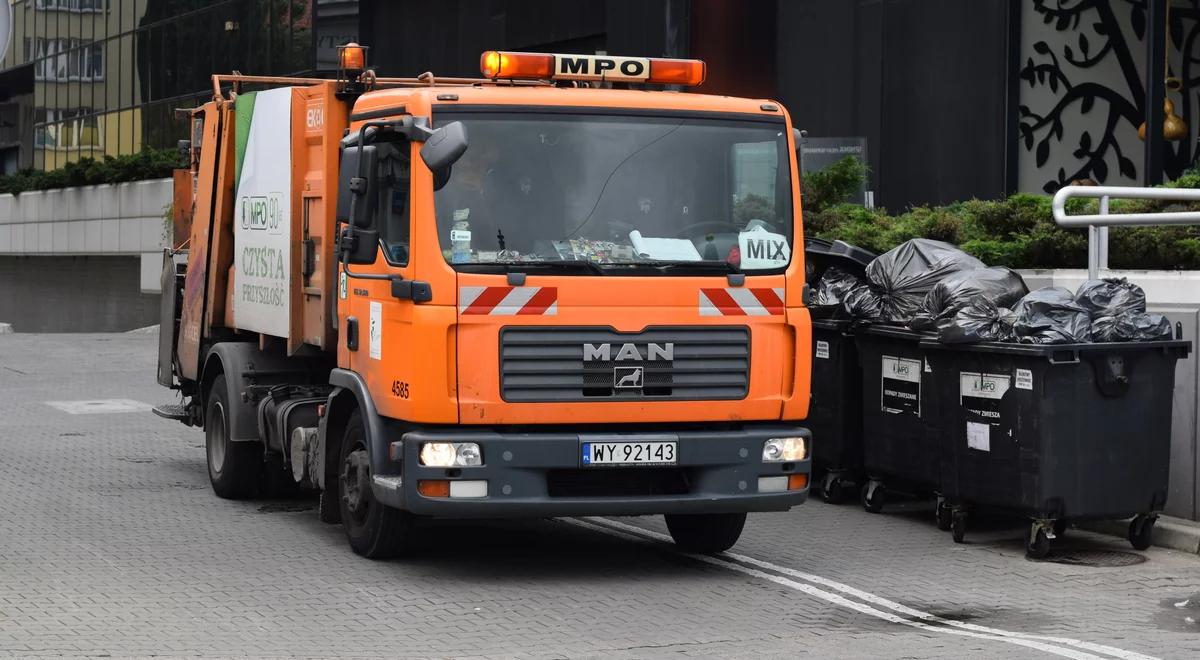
[233, 467]
[705, 533]
[1141, 531]
[833, 490]
[374, 530]
[944, 515]
[873, 496]
[1038, 545]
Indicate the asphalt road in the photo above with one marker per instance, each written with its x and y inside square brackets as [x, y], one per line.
[112, 544]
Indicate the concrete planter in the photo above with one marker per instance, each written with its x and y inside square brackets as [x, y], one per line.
[122, 218]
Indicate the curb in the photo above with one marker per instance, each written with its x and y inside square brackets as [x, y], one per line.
[1169, 532]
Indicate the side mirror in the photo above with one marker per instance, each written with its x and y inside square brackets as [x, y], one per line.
[351, 185]
[444, 147]
[799, 137]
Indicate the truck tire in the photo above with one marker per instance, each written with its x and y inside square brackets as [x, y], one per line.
[374, 530]
[234, 468]
[705, 533]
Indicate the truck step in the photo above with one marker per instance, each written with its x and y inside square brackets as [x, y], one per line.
[176, 411]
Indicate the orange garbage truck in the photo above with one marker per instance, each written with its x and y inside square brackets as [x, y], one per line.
[564, 288]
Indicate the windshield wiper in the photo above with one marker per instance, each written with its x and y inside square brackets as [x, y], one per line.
[703, 266]
[575, 265]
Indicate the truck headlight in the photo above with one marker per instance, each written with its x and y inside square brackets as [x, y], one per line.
[780, 450]
[451, 454]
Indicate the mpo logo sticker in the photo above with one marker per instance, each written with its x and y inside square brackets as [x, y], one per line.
[263, 212]
[900, 385]
[600, 67]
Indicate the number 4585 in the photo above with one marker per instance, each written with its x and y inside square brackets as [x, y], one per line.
[400, 389]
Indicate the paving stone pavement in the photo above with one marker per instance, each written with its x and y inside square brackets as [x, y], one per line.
[112, 544]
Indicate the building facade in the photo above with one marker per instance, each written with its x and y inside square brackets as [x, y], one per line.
[89, 78]
[954, 98]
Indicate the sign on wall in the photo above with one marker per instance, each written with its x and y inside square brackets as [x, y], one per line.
[262, 215]
[818, 153]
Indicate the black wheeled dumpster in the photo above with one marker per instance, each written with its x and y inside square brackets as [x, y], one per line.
[900, 448]
[835, 413]
[1056, 432]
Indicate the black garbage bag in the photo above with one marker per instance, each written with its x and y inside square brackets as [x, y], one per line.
[863, 303]
[1112, 296]
[979, 320]
[1002, 286]
[1135, 326]
[833, 287]
[904, 275]
[1050, 315]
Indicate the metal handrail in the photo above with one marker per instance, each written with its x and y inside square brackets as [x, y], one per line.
[1107, 220]
[1098, 224]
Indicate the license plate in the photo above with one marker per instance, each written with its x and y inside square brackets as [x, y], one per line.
[628, 453]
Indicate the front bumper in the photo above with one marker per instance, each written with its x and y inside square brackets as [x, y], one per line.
[539, 475]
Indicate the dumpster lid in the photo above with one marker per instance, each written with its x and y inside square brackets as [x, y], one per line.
[898, 332]
[1061, 352]
[839, 252]
[835, 325]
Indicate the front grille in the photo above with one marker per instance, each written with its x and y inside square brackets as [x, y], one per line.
[547, 364]
[618, 482]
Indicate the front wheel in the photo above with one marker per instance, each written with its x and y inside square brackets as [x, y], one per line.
[374, 530]
[705, 533]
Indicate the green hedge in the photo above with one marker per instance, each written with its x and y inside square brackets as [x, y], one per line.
[1018, 232]
[149, 164]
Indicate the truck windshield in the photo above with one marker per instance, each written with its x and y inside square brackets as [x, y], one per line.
[617, 193]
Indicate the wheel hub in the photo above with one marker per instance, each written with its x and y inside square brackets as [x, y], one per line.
[216, 436]
[356, 483]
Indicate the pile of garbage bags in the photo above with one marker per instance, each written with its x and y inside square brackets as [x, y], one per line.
[931, 286]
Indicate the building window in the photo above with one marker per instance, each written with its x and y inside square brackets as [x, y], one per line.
[80, 6]
[66, 59]
[65, 129]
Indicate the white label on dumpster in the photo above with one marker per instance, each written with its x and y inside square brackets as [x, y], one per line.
[900, 386]
[823, 350]
[1024, 379]
[982, 386]
[979, 436]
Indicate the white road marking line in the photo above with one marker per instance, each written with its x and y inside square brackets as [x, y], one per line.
[100, 406]
[948, 626]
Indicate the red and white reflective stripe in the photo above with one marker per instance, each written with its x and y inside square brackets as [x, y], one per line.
[741, 302]
[508, 300]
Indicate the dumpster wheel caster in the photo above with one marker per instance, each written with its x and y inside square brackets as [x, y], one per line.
[833, 491]
[944, 515]
[873, 496]
[958, 525]
[1141, 530]
[1039, 544]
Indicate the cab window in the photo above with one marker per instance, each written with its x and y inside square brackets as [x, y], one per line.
[393, 175]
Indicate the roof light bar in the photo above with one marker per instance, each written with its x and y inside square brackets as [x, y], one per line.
[542, 66]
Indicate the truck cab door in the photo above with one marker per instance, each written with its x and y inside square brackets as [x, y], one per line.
[377, 327]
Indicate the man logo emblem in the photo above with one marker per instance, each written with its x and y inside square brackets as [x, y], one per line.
[628, 378]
